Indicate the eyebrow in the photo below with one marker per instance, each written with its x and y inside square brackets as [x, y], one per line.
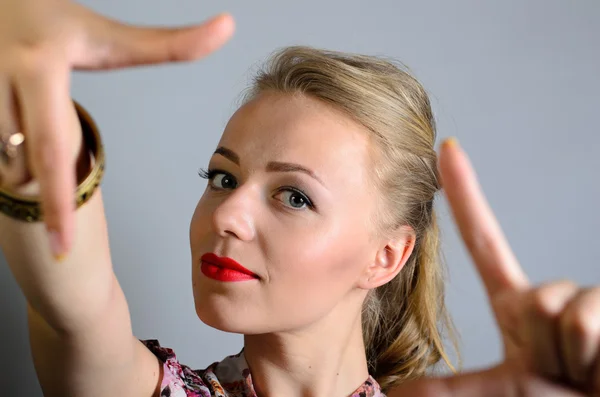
[272, 166]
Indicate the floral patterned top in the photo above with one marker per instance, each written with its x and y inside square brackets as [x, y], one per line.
[227, 378]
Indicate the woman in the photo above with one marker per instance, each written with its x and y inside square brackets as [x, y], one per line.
[315, 238]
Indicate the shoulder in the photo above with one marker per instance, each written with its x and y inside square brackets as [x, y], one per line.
[224, 378]
[369, 389]
[178, 380]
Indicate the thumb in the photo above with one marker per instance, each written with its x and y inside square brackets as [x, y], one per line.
[109, 44]
[496, 382]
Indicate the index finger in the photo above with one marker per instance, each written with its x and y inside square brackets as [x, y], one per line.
[493, 257]
[45, 105]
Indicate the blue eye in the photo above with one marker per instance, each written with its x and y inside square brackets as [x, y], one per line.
[290, 196]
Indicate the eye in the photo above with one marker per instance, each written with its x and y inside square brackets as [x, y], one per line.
[218, 179]
[294, 198]
[288, 195]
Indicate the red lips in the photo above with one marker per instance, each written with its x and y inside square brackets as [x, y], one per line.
[225, 269]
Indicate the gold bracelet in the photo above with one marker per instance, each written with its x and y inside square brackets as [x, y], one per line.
[28, 209]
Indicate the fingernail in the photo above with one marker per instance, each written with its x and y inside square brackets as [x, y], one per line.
[56, 245]
[451, 142]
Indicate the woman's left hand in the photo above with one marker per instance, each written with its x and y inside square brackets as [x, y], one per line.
[551, 330]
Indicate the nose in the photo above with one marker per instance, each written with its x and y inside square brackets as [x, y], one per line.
[234, 216]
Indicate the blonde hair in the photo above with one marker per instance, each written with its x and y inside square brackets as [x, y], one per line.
[403, 321]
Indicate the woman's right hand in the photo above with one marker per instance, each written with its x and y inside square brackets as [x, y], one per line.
[41, 41]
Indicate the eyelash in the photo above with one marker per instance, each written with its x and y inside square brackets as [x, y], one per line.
[209, 175]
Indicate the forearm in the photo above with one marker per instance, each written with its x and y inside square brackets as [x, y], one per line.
[67, 294]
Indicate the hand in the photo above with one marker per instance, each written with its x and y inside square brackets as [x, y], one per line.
[551, 333]
[41, 41]
[552, 330]
[500, 381]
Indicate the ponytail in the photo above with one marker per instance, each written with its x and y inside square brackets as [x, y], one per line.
[402, 319]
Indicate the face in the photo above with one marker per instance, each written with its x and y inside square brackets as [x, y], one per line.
[289, 198]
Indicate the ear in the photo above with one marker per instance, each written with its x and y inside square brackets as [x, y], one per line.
[389, 259]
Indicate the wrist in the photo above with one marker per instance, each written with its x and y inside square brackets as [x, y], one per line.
[25, 204]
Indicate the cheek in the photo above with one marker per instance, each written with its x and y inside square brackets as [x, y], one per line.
[310, 275]
[321, 263]
[200, 226]
[195, 225]
[198, 219]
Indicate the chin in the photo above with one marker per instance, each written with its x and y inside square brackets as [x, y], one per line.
[219, 320]
[225, 307]
[219, 312]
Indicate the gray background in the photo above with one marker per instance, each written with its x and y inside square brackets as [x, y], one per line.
[517, 81]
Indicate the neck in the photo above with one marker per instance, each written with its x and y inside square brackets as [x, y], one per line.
[326, 358]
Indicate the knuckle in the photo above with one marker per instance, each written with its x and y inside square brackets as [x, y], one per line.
[546, 300]
[578, 325]
[172, 53]
[32, 62]
[36, 61]
[582, 321]
[565, 285]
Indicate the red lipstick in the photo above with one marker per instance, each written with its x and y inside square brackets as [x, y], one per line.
[224, 269]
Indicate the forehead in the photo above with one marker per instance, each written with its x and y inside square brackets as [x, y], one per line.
[300, 129]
